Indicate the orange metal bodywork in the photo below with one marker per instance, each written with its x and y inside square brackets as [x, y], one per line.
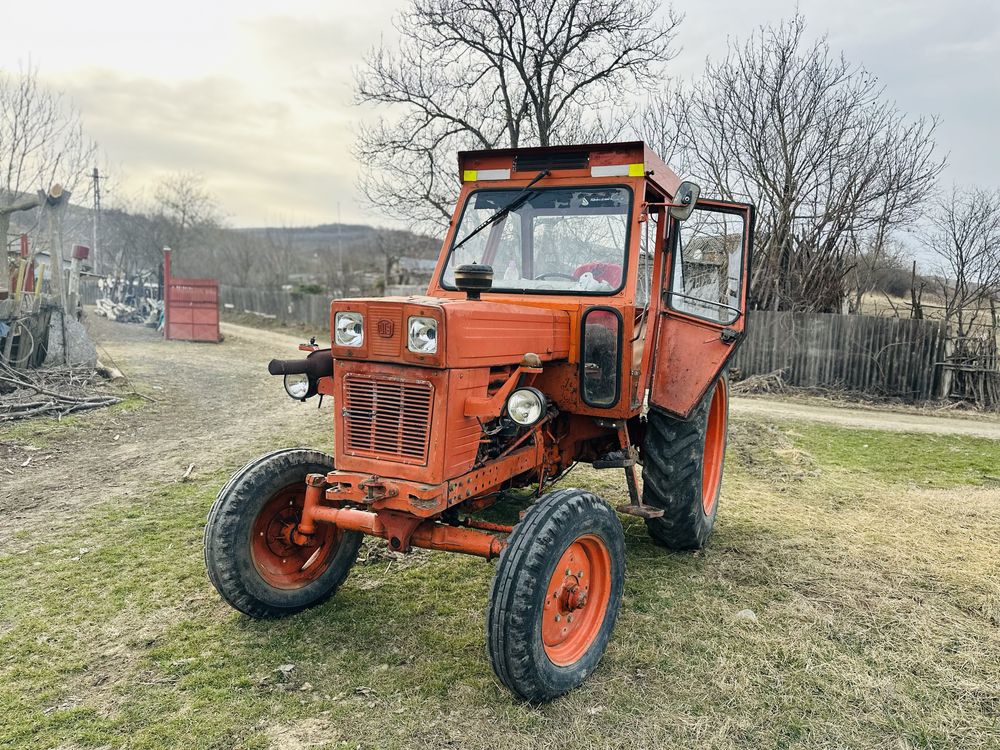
[424, 534]
[426, 500]
[436, 464]
[691, 352]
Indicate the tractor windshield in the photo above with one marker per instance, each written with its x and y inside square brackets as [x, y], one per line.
[559, 240]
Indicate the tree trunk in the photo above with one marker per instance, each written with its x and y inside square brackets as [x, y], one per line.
[916, 311]
[4, 268]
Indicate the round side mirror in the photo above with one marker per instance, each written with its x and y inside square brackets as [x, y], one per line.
[684, 200]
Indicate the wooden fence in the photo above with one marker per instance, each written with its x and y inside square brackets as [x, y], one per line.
[880, 356]
[287, 307]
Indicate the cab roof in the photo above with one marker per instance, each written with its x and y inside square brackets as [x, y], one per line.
[593, 160]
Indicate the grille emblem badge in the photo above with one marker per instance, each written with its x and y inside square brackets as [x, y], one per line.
[385, 328]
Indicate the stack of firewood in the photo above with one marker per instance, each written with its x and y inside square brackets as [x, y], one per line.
[147, 311]
[54, 391]
[771, 382]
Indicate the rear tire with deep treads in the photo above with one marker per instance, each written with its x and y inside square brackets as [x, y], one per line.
[556, 595]
[682, 469]
[250, 562]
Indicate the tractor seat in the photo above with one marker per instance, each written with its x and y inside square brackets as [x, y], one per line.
[609, 273]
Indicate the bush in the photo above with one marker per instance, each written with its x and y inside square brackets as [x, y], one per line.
[893, 281]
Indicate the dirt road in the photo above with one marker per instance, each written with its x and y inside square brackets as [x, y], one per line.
[215, 407]
[869, 419]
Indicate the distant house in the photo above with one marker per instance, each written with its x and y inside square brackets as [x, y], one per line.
[410, 276]
[414, 271]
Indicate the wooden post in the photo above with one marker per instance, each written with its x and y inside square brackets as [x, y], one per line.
[80, 254]
[947, 373]
[53, 208]
[29, 279]
[916, 311]
[166, 291]
[24, 204]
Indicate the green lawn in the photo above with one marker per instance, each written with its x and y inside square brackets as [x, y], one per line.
[870, 560]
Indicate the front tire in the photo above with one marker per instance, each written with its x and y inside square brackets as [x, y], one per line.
[682, 469]
[556, 595]
[250, 559]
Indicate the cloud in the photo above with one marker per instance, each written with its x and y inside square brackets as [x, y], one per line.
[263, 155]
[257, 96]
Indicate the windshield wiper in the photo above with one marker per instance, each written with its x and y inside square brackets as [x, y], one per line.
[516, 202]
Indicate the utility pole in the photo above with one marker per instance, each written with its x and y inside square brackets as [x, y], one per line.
[97, 217]
[340, 255]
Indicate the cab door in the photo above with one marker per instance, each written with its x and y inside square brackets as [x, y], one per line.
[703, 310]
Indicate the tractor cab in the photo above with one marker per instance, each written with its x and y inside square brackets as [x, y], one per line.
[610, 235]
[583, 309]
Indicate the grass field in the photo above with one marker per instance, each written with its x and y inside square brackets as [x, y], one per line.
[869, 559]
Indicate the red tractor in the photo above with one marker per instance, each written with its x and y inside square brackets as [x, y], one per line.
[583, 308]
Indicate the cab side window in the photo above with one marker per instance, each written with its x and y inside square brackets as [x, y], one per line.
[707, 265]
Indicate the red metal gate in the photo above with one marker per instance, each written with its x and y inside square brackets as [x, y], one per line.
[190, 307]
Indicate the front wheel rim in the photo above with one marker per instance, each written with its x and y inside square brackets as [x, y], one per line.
[279, 561]
[576, 600]
[715, 448]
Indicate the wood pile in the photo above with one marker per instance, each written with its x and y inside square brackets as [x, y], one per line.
[147, 311]
[771, 382]
[56, 391]
[973, 370]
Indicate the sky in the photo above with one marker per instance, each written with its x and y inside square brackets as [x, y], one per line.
[257, 95]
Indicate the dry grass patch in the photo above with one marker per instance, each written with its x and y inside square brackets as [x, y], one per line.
[874, 586]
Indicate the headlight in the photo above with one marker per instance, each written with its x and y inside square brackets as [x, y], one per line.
[297, 386]
[423, 335]
[349, 328]
[526, 406]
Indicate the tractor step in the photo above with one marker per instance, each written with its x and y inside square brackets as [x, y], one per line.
[616, 460]
[642, 511]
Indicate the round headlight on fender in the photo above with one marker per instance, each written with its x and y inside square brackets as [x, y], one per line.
[297, 386]
[526, 406]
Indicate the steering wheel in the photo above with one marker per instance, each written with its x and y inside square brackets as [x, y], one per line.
[555, 275]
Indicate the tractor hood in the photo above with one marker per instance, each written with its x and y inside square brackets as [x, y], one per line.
[469, 333]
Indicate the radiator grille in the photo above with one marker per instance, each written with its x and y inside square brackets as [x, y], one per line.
[387, 419]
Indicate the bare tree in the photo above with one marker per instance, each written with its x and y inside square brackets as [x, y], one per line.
[238, 257]
[188, 207]
[495, 73]
[964, 236]
[41, 143]
[280, 258]
[132, 240]
[832, 165]
[389, 245]
[878, 265]
[264, 259]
